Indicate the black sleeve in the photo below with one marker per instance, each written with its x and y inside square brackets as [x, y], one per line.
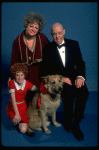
[44, 68]
[80, 64]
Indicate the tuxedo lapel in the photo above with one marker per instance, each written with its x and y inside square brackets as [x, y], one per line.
[66, 52]
[58, 57]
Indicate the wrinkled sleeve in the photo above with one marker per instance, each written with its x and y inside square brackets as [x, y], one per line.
[31, 86]
[11, 87]
[80, 64]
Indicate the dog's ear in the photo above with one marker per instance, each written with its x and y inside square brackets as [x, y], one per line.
[46, 78]
[61, 77]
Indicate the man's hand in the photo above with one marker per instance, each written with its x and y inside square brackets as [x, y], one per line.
[67, 80]
[79, 82]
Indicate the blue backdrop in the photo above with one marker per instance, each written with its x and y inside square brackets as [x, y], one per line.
[79, 19]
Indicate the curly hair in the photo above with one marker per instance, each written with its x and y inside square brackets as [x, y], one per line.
[18, 67]
[33, 17]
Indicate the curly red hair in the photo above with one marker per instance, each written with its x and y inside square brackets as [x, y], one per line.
[18, 67]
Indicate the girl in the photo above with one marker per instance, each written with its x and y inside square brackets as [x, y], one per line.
[18, 87]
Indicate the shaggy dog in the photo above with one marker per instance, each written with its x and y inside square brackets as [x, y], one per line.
[50, 101]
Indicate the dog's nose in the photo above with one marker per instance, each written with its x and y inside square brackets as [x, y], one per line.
[60, 89]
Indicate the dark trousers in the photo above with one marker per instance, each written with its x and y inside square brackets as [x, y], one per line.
[80, 95]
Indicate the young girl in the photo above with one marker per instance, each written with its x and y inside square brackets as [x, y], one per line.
[18, 87]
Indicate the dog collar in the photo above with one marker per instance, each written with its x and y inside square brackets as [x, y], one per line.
[42, 88]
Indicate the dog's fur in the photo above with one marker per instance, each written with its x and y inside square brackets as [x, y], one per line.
[38, 118]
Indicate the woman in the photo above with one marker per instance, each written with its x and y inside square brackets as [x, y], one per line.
[18, 87]
[27, 47]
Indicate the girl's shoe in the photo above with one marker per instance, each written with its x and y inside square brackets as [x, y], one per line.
[31, 134]
[16, 126]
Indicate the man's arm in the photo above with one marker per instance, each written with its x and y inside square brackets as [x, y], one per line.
[79, 63]
[80, 68]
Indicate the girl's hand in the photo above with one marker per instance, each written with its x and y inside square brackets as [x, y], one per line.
[16, 119]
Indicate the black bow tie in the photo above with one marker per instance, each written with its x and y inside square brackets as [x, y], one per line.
[59, 46]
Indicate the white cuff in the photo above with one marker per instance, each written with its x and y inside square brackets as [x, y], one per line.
[81, 77]
[34, 88]
[12, 91]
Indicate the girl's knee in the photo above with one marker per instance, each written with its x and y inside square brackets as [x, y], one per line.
[23, 128]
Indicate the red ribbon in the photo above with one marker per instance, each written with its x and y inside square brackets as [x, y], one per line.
[43, 90]
[39, 101]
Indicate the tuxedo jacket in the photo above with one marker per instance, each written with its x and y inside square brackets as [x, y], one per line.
[52, 63]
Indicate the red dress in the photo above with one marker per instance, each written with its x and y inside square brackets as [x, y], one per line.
[20, 99]
[22, 54]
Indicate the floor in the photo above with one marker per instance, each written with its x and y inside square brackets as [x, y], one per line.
[58, 137]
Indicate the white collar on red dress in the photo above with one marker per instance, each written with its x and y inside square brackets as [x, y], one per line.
[23, 85]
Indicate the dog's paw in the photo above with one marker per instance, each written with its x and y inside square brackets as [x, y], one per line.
[47, 123]
[38, 129]
[47, 131]
[57, 124]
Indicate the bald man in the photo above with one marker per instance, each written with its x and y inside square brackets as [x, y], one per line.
[63, 56]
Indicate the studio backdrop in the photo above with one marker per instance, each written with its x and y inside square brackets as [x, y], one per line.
[79, 19]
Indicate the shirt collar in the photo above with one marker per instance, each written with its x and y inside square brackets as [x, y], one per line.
[23, 85]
